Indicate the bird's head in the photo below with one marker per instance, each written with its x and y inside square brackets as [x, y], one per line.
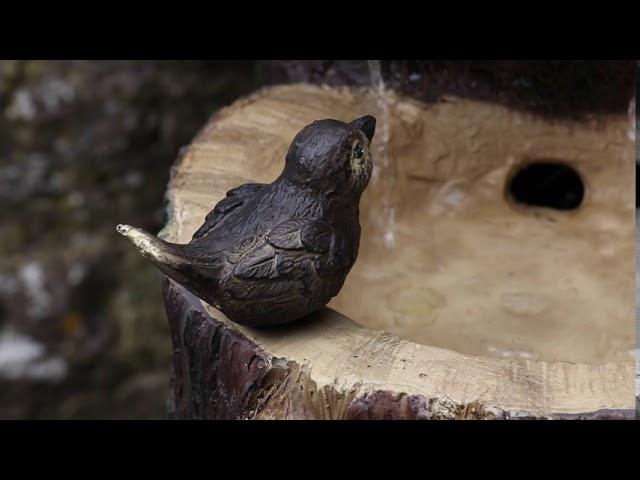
[332, 156]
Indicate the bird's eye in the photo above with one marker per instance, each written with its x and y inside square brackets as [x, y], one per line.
[358, 152]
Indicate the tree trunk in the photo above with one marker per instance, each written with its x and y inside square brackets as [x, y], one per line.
[414, 355]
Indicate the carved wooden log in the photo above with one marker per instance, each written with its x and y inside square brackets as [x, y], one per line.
[412, 356]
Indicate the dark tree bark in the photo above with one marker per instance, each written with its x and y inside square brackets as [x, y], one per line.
[557, 88]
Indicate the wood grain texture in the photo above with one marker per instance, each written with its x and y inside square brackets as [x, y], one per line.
[221, 374]
[330, 366]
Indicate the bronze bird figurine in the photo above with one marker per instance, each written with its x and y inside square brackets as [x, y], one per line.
[269, 254]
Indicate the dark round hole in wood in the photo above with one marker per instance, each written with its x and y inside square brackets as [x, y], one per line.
[547, 184]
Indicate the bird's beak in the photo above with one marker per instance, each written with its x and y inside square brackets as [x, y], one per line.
[366, 124]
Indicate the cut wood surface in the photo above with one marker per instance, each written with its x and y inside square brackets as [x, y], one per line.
[328, 365]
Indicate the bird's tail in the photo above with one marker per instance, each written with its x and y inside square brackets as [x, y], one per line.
[170, 258]
[182, 263]
[153, 248]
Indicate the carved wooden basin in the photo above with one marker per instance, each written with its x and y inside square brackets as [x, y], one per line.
[466, 301]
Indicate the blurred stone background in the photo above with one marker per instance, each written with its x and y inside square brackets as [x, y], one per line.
[85, 145]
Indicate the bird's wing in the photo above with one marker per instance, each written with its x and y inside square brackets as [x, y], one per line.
[294, 260]
[235, 198]
[298, 234]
